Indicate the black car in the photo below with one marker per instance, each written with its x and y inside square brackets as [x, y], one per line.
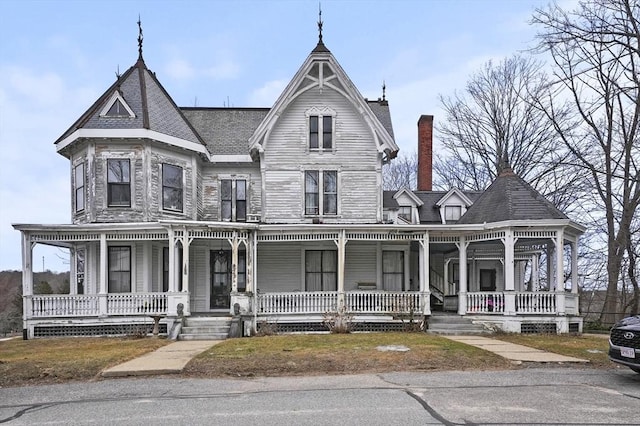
[624, 343]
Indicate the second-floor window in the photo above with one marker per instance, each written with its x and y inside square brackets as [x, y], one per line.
[118, 183]
[171, 187]
[79, 179]
[319, 182]
[233, 200]
[321, 132]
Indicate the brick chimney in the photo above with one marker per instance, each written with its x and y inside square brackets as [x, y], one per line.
[425, 152]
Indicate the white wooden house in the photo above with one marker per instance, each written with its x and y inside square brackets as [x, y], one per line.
[277, 215]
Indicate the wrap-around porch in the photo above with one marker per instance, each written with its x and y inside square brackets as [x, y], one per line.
[385, 270]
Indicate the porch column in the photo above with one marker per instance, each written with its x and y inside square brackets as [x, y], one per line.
[424, 272]
[560, 296]
[341, 243]
[103, 285]
[462, 285]
[172, 261]
[27, 275]
[73, 265]
[574, 266]
[252, 263]
[509, 273]
[234, 262]
[186, 243]
[535, 272]
[146, 266]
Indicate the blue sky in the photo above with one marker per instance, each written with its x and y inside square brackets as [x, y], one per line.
[58, 57]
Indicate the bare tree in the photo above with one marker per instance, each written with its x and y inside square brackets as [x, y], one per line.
[596, 56]
[493, 120]
[401, 172]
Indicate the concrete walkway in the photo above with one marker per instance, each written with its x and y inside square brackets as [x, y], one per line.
[513, 352]
[168, 359]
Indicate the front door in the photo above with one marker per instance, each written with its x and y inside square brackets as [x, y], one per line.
[487, 280]
[220, 279]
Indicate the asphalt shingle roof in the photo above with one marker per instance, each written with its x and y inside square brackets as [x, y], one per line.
[226, 131]
[380, 109]
[509, 197]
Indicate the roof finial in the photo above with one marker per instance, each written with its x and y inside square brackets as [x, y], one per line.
[319, 23]
[139, 38]
[384, 90]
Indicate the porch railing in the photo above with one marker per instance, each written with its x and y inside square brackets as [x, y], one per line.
[320, 302]
[536, 303]
[376, 302]
[64, 305]
[137, 303]
[313, 302]
[485, 303]
[81, 305]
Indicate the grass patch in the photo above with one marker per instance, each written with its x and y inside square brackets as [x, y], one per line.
[338, 354]
[593, 348]
[44, 361]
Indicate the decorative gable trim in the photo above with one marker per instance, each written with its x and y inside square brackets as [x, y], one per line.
[417, 202]
[451, 193]
[321, 70]
[117, 101]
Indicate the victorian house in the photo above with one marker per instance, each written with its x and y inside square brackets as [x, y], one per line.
[277, 216]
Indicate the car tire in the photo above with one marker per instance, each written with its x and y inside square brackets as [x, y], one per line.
[636, 369]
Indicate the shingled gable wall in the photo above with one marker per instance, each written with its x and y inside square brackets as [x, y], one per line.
[425, 152]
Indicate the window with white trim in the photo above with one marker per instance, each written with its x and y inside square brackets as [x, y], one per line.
[318, 182]
[321, 270]
[172, 188]
[404, 212]
[452, 213]
[118, 182]
[119, 258]
[233, 200]
[321, 132]
[393, 270]
[79, 184]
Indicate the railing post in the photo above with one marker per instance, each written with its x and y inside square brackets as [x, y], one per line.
[509, 303]
[560, 303]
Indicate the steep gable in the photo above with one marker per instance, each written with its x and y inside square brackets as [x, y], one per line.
[321, 70]
[509, 197]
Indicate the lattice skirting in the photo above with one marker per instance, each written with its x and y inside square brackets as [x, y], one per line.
[129, 329]
[319, 327]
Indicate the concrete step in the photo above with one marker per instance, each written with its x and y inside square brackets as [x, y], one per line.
[205, 328]
[454, 324]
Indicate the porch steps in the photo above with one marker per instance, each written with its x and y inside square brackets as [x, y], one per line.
[440, 323]
[205, 328]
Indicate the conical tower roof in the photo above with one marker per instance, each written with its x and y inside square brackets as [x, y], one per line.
[509, 197]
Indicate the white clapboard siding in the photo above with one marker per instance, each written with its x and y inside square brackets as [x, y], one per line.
[198, 279]
[211, 187]
[355, 157]
[360, 264]
[279, 267]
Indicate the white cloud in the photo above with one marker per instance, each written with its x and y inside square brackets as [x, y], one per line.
[266, 95]
[180, 69]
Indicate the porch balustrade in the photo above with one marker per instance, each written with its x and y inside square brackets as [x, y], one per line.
[485, 303]
[67, 305]
[63, 305]
[137, 303]
[313, 302]
[320, 302]
[536, 303]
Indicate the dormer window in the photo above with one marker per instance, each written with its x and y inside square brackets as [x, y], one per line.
[452, 213]
[404, 212]
[117, 107]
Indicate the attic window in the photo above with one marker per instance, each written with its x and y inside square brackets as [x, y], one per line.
[452, 213]
[117, 107]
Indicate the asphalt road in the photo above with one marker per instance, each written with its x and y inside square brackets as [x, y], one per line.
[544, 396]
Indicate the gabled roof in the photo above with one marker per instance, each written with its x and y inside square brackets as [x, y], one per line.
[226, 131]
[430, 212]
[310, 75]
[150, 103]
[454, 191]
[509, 197]
[416, 201]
